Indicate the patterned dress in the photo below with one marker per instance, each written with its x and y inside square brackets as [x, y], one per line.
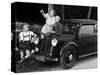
[50, 21]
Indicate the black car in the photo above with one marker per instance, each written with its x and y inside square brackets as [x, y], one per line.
[77, 39]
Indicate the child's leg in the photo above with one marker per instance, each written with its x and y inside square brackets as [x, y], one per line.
[32, 51]
[32, 48]
[22, 54]
[27, 53]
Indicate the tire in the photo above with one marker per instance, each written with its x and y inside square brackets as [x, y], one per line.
[68, 57]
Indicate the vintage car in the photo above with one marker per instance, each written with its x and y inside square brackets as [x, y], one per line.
[77, 39]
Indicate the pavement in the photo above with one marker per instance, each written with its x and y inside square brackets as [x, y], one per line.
[84, 63]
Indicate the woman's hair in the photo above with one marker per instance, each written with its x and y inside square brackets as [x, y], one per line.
[52, 10]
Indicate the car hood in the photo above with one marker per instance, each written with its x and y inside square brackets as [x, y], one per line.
[66, 37]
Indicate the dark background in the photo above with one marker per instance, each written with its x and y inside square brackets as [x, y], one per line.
[30, 12]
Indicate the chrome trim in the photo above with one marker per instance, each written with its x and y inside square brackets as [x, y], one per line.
[85, 55]
[52, 59]
[51, 51]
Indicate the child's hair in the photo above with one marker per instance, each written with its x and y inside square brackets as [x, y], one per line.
[26, 24]
[58, 18]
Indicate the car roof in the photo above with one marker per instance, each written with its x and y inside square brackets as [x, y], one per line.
[80, 21]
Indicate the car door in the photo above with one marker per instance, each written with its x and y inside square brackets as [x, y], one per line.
[95, 38]
[86, 39]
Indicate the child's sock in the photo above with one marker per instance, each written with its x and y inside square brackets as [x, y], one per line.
[32, 51]
[22, 55]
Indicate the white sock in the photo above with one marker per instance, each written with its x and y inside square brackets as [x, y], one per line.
[27, 53]
[32, 51]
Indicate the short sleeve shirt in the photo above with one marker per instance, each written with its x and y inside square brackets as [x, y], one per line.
[26, 36]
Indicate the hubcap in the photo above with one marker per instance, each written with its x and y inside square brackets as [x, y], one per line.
[70, 57]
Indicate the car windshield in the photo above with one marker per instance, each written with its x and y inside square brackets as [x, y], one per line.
[70, 28]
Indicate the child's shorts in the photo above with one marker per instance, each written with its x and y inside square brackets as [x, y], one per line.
[23, 46]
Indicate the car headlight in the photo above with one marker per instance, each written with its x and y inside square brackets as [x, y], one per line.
[54, 42]
[35, 40]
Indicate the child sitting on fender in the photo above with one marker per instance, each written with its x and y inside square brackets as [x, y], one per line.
[35, 44]
[58, 27]
[25, 41]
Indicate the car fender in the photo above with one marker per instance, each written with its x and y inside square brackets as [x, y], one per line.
[66, 45]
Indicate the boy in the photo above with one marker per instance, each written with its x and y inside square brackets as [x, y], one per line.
[58, 27]
[24, 39]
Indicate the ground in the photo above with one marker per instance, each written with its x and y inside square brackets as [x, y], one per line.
[84, 63]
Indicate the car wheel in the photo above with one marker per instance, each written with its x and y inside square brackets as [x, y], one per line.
[68, 57]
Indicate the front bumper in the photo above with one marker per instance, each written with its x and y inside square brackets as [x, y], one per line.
[44, 59]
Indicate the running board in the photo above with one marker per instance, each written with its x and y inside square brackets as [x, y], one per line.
[85, 55]
[52, 59]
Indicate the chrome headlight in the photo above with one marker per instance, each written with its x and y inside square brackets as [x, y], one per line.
[35, 40]
[54, 42]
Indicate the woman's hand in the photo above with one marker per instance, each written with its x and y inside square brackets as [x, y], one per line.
[52, 31]
[41, 11]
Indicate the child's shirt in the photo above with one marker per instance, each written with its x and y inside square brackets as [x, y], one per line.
[58, 28]
[26, 36]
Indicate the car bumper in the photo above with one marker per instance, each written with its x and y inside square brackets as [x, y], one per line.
[44, 59]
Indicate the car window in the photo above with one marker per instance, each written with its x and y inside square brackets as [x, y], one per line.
[86, 29]
[66, 27]
[95, 28]
[71, 27]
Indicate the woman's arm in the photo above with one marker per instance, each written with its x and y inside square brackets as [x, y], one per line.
[44, 15]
